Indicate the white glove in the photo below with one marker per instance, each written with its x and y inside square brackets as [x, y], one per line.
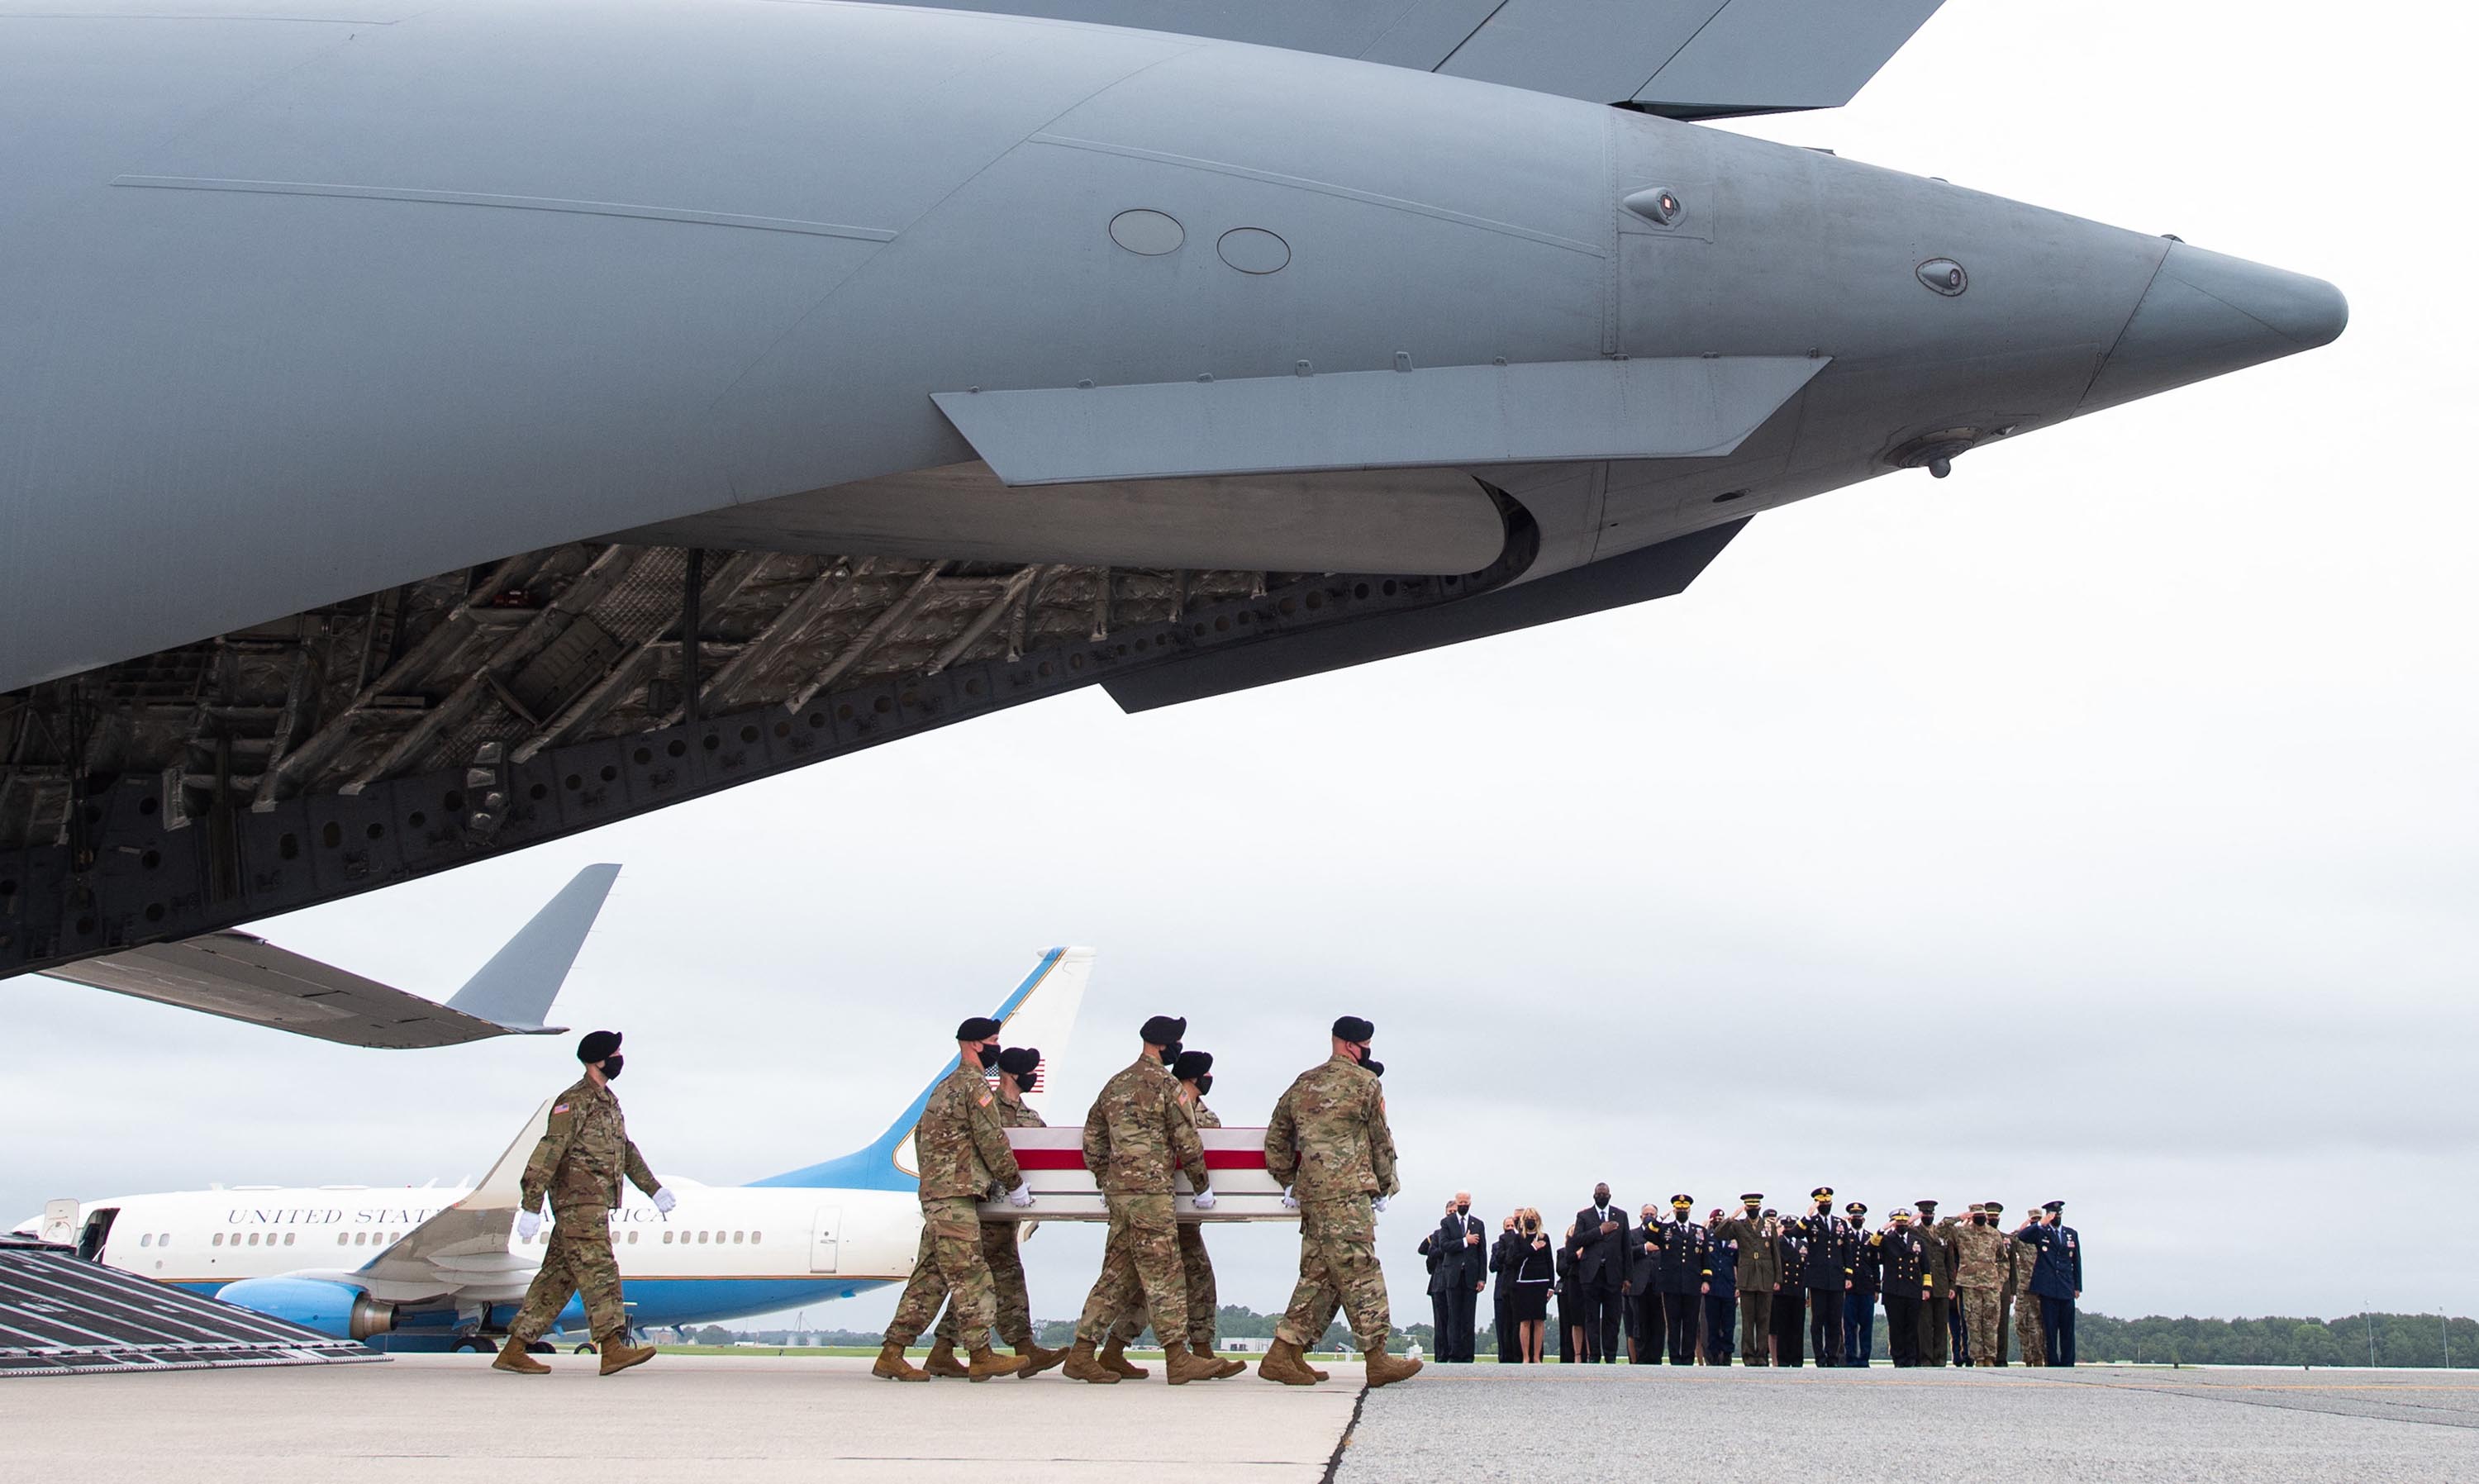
[1203, 1200]
[1022, 1196]
[665, 1200]
[528, 1223]
[1377, 1203]
[1290, 1202]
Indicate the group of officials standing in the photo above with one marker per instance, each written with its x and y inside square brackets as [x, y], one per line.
[1327, 1144]
[1680, 1288]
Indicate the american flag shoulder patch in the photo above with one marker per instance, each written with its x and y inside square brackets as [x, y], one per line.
[559, 1107]
[985, 1100]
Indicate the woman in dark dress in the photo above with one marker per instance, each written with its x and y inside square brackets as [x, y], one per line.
[1535, 1269]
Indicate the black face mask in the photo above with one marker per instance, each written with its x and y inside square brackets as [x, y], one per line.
[611, 1065]
[986, 1057]
[1463, 1209]
[1205, 1084]
[1171, 1053]
[1979, 1220]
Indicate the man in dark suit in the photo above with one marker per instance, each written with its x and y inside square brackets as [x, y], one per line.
[1601, 1248]
[1639, 1296]
[1504, 1258]
[1434, 1255]
[1461, 1274]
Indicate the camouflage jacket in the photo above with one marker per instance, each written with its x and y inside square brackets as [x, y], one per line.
[1206, 1117]
[2022, 1258]
[1138, 1131]
[1328, 1140]
[583, 1153]
[1015, 1116]
[959, 1144]
[1980, 1253]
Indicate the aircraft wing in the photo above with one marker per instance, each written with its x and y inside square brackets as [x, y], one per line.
[243, 977]
[1688, 58]
[463, 1251]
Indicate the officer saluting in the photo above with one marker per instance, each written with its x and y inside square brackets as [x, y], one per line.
[583, 1153]
[1329, 1145]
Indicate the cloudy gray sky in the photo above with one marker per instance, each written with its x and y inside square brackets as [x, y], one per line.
[2098, 823]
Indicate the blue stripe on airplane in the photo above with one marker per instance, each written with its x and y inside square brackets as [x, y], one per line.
[874, 1168]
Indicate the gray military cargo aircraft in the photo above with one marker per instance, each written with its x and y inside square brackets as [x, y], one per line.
[428, 429]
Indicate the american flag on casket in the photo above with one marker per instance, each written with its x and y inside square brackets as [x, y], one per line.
[1052, 1161]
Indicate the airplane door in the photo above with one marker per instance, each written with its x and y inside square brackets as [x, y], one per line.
[97, 1233]
[825, 1238]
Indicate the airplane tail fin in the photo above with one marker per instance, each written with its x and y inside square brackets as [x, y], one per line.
[515, 989]
[1040, 1013]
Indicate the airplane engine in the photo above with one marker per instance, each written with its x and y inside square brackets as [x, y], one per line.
[313, 1303]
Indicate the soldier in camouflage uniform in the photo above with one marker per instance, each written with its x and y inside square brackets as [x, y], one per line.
[1138, 1135]
[583, 1153]
[1981, 1260]
[2025, 1257]
[1329, 1145]
[1018, 1066]
[1194, 1071]
[961, 1149]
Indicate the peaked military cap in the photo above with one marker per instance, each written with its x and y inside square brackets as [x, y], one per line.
[1162, 1030]
[1925, 1205]
[597, 1046]
[1683, 1202]
[1019, 1062]
[2053, 1206]
[1993, 1207]
[1753, 1197]
[1190, 1065]
[1903, 1213]
[1351, 1028]
[1823, 1193]
[980, 1028]
[1854, 1208]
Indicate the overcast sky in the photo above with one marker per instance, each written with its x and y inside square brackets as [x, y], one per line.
[2097, 824]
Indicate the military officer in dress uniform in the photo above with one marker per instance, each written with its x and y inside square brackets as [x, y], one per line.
[1721, 1294]
[1679, 1272]
[1859, 1305]
[962, 1148]
[1909, 1267]
[1790, 1295]
[583, 1153]
[1013, 1305]
[1936, 1336]
[1758, 1271]
[1829, 1276]
[2058, 1280]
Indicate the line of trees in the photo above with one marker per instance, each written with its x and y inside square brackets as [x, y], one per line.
[2405, 1340]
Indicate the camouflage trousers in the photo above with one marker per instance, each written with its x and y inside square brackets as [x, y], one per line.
[948, 1265]
[2027, 1329]
[1013, 1305]
[1985, 1341]
[576, 1259]
[1197, 1271]
[1338, 1270]
[1139, 1264]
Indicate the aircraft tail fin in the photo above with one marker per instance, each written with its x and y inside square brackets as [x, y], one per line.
[1040, 1012]
[515, 989]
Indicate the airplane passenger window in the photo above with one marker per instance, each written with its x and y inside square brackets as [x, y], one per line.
[361, 1237]
[757, 1236]
[667, 1239]
[344, 1238]
[736, 1236]
[701, 1238]
[253, 1238]
[288, 1238]
[632, 1238]
[216, 1240]
[163, 1240]
[146, 1238]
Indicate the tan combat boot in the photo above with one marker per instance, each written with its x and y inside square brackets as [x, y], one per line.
[1180, 1367]
[1083, 1366]
[1383, 1369]
[987, 1363]
[941, 1362]
[892, 1366]
[1223, 1367]
[618, 1354]
[1115, 1357]
[1037, 1360]
[513, 1356]
[1282, 1363]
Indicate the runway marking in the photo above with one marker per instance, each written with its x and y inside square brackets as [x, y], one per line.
[530, 203]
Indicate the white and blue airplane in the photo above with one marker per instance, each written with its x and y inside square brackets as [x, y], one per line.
[439, 1267]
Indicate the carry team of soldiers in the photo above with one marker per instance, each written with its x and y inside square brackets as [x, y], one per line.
[1329, 1145]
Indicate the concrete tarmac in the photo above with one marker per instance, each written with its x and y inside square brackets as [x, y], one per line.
[2003, 1426]
[756, 1419]
[764, 1419]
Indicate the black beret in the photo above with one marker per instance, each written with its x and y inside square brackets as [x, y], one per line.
[1189, 1065]
[1162, 1030]
[597, 1045]
[1374, 1067]
[980, 1028]
[1019, 1062]
[1351, 1028]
